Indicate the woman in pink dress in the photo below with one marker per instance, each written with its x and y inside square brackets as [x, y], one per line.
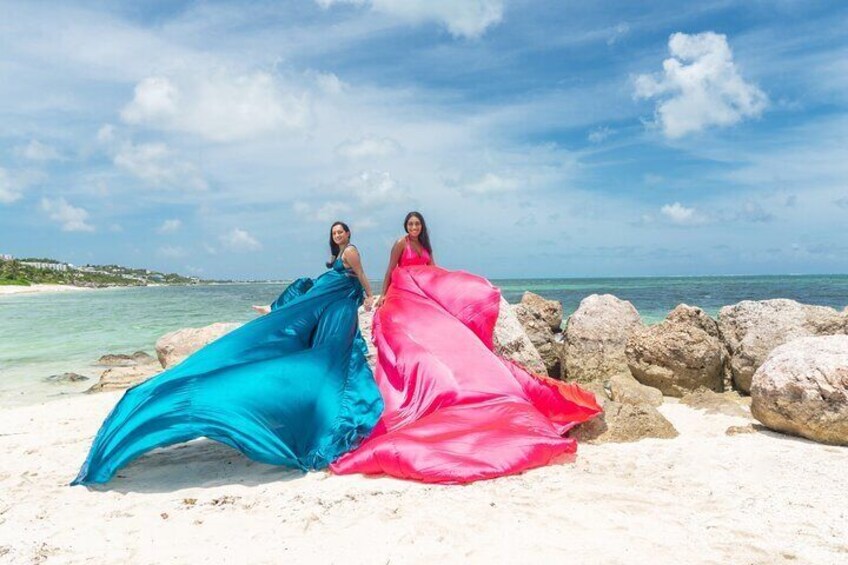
[455, 411]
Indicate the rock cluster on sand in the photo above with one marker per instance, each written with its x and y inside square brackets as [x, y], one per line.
[125, 371]
[542, 320]
[802, 389]
[752, 329]
[679, 355]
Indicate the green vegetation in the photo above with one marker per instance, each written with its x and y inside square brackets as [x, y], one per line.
[14, 272]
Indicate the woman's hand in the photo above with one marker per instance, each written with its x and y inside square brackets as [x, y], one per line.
[262, 309]
[379, 301]
[369, 301]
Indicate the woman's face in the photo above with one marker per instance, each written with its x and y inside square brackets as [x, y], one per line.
[340, 236]
[413, 226]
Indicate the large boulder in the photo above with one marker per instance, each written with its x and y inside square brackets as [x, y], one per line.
[513, 343]
[625, 389]
[802, 389]
[621, 423]
[173, 347]
[596, 336]
[679, 355]
[541, 319]
[752, 329]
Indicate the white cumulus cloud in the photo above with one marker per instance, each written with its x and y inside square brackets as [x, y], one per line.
[680, 214]
[465, 18]
[155, 163]
[219, 106]
[700, 86]
[239, 240]
[170, 226]
[374, 188]
[70, 217]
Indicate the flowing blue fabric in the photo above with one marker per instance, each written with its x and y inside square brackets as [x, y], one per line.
[289, 388]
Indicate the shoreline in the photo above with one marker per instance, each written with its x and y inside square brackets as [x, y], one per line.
[10, 290]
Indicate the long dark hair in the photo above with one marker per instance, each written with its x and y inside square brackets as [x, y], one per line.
[423, 237]
[334, 248]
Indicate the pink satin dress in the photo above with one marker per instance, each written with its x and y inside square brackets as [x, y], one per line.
[455, 411]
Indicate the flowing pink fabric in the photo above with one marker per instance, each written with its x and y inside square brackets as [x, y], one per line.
[456, 412]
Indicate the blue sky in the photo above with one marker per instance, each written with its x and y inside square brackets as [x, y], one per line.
[540, 139]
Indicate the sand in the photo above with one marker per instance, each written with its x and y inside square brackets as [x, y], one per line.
[39, 288]
[704, 497]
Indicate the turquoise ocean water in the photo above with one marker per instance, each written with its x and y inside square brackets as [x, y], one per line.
[45, 334]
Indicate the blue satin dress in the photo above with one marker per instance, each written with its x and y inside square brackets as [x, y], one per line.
[290, 388]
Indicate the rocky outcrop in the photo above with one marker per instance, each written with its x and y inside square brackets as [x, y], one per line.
[802, 389]
[542, 320]
[118, 378]
[513, 343]
[595, 338]
[625, 389]
[679, 355]
[124, 360]
[173, 347]
[752, 329]
[621, 423]
[63, 378]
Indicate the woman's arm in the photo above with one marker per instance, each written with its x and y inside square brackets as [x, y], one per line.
[394, 259]
[354, 261]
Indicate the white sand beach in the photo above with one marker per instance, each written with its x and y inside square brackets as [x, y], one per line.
[704, 497]
[40, 288]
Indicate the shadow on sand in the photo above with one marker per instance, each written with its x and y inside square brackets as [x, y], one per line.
[199, 463]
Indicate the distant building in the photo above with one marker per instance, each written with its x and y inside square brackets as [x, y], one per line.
[50, 266]
[6, 257]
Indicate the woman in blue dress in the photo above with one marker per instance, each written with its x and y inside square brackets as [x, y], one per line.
[291, 387]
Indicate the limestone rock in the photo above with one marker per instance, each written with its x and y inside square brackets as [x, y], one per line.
[541, 319]
[118, 378]
[173, 347]
[548, 311]
[622, 423]
[124, 360]
[752, 329]
[627, 390]
[66, 378]
[679, 355]
[802, 389]
[513, 343]
[596, 336]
